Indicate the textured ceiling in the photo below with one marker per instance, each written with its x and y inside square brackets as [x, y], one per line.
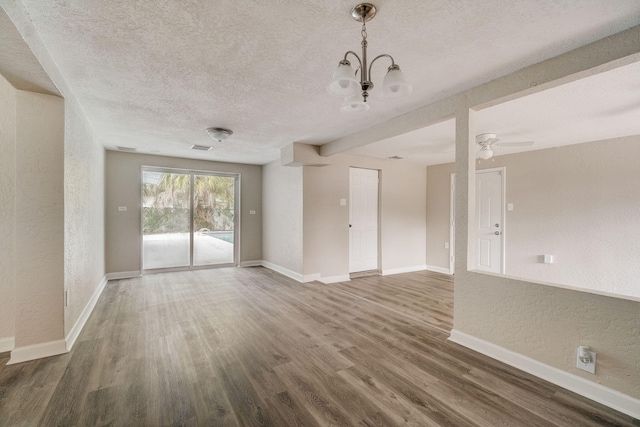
[17, 63]
[596, 108]
[154, 75]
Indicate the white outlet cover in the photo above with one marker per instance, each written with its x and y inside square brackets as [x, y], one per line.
[588, 367]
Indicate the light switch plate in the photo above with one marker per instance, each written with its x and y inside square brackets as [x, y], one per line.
[122, 208]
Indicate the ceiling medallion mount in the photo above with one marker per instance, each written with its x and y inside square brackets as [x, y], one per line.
[344, 82]
[219, 134]
[364, 12]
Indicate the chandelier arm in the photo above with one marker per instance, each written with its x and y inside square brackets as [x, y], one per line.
[381, 56]
[354, 54]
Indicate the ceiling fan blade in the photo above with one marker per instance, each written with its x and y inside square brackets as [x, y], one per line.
[514, 144]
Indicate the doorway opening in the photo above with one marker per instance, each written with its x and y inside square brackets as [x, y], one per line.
[188, 219]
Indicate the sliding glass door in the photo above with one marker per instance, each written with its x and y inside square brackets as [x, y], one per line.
[188, 219]
[213, 219]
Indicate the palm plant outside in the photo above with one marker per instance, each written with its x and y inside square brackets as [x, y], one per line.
[166, 204]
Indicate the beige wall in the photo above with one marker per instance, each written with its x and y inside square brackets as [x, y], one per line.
[7, 213]
[123, 229]
[326, 223]
[438, 214]
[83, 212]
[540, 322]
[282, 216]
[579, 203]
[39, 221]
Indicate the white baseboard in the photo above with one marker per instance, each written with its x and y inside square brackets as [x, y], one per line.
[310, 277]
[438, 269]
[37, 351]
[7, 344]
[251, 263]
[123, 275]
[72, 336]
[334, 279]
[591, 390]
[284, 271]
[411, 269]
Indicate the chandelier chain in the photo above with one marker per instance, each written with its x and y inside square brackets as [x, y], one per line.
[364, 30]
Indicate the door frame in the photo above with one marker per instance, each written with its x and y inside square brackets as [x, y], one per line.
[503, 188]
[452, 219]
[237, 232]
[452, 224]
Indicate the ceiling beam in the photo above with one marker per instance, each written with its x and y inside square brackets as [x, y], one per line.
[606, 54]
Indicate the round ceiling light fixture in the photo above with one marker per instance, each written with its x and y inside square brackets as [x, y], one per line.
[219, 134]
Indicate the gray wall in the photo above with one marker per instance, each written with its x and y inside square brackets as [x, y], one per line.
[124, 229]
[282, 216]
[579, 203]
[402, 215]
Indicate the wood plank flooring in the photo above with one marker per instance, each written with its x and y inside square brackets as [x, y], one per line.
[249, 347]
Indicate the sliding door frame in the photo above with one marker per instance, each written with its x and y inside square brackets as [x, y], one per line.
[236, 218]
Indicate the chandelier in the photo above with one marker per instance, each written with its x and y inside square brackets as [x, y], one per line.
[345, 83]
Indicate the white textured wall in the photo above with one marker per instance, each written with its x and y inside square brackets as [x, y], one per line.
[326, 223]
[39, 222]
[123, 188]
[579, 203]
[7, 207]
[83, 212]
[282, 216]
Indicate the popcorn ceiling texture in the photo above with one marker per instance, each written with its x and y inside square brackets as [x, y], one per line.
[7, 207]
[83, 212]
[155, 74]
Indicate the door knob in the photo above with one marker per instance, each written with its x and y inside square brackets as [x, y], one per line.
[497, 225]
[497, 233]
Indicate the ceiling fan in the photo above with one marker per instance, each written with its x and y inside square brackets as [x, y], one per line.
[487, 141]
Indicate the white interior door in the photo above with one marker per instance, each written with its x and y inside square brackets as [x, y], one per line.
[489, 217]
[363, 220]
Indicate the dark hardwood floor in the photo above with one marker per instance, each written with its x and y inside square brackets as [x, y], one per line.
[249, 347]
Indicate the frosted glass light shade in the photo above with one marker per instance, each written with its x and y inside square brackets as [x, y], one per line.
[343, 82]
[485, 153]
[354, 104]
[395, 84]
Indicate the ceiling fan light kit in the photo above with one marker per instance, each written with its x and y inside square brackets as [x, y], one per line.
[487, 141]
[344, 82]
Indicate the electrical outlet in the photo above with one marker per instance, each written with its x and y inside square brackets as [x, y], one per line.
[584, 354]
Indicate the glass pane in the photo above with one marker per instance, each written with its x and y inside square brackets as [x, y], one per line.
[165, 231]
[213, 219]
